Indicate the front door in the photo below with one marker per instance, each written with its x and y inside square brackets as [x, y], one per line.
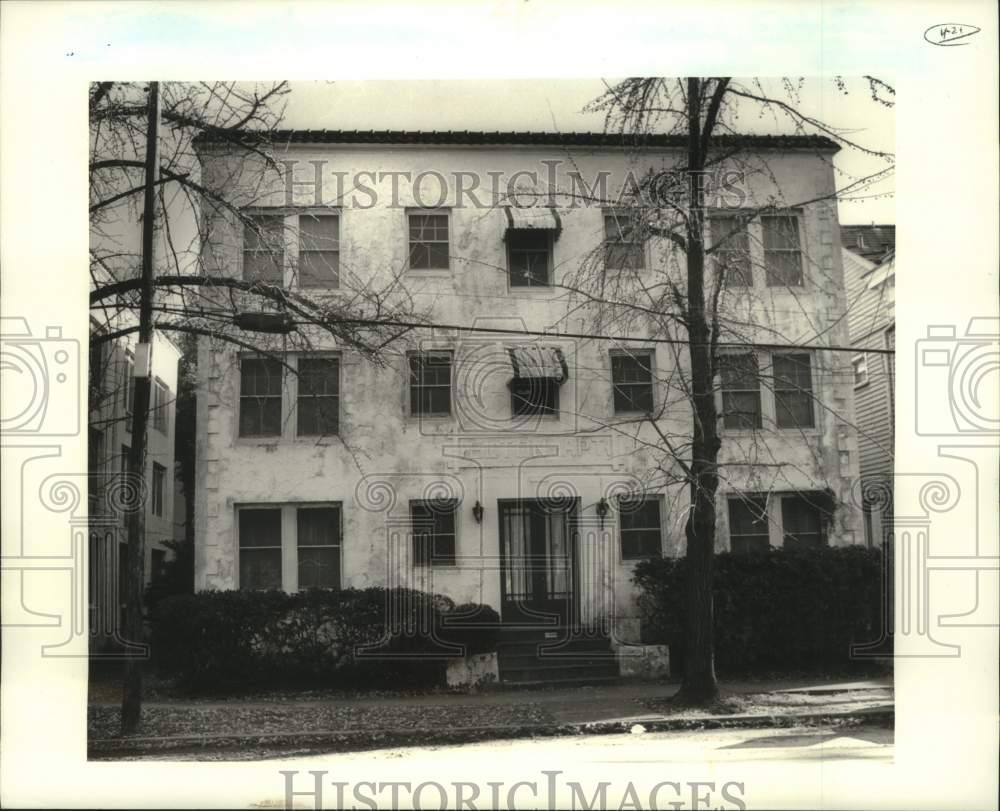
[537, 548]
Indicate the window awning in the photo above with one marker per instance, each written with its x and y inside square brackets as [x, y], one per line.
[533, 362]
[537, 218]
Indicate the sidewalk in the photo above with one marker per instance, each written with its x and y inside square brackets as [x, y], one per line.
[365, 723]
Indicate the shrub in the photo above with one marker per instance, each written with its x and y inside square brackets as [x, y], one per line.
[781, 611]
[473, 626]
[376, 637]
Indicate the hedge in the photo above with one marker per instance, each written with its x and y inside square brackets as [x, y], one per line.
[374, 637]
[780, 611]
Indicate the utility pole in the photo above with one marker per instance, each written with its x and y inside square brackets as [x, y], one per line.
[132, 688]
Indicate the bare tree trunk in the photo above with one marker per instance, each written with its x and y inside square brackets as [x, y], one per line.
[132, 687]
[699, 685]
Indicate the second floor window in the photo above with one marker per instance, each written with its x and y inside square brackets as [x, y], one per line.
[318, 401]
[740, 390]
[793, 398]
[260, 397]
[319, 251]
[534, 397]
[860, 366]
[128, 386]
[528, 255]
[159, 484]
[264, 249]
[430, 383]
[623, 244]
[433, 525]
[161, 406]
[428, 241]
[731, 251]
[632, 378]
[782, 250]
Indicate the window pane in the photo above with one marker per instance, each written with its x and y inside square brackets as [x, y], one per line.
[784, 269]
[740, 390]
[260, 376]
[639, 527]
[741, 409]
[529, 269]
[260, 568]
[748, 527]
[430, 383]
[318, 526]
[260, 528]
[631, 376]
[639, 513]
[801, 522]
[420, 256]
[433, 527]
[438, 255]
[780, 233]
[534, 396]
[319, 375]
[264, 233]
[319, 232]
[319, 269]
[793, 391]
[319, 567]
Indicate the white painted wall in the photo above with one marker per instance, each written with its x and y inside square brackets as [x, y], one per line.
[384, 456]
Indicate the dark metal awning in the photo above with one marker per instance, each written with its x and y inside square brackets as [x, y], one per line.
[533, 361]
[537, 218]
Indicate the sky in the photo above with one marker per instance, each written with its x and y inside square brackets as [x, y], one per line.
[556, 105]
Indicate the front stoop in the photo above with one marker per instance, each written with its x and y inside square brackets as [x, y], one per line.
[555, 655]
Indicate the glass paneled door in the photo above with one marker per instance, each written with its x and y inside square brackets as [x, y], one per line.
[537, 548]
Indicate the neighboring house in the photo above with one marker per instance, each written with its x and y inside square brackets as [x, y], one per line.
[111, 394]
[505, 469]
[870, 275]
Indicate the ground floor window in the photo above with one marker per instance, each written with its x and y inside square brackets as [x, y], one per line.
[308, 535]
[640, 527]
[433, 523]
[760, 521]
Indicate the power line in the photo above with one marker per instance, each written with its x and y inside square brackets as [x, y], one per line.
[375, 322]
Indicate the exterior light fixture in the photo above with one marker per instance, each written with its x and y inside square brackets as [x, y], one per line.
[477, 512]
[602, 510]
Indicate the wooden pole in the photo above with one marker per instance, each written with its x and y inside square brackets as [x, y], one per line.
[136, 524]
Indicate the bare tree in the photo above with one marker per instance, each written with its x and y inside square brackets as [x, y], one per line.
[193, 294]
[702, 304]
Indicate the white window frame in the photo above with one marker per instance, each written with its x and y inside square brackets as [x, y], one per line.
[437, 212]
[768, 405]
[622, 214]
[859, 365]
[158, 495]
[648, 355]
[291, 242]
[289, 401]
[161, 413]
[774, 515]
[408, 376]
[797, 215]
[656, 498]
[289, 538]
[433, 562]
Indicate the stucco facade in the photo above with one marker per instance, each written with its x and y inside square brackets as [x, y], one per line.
[384, 455]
